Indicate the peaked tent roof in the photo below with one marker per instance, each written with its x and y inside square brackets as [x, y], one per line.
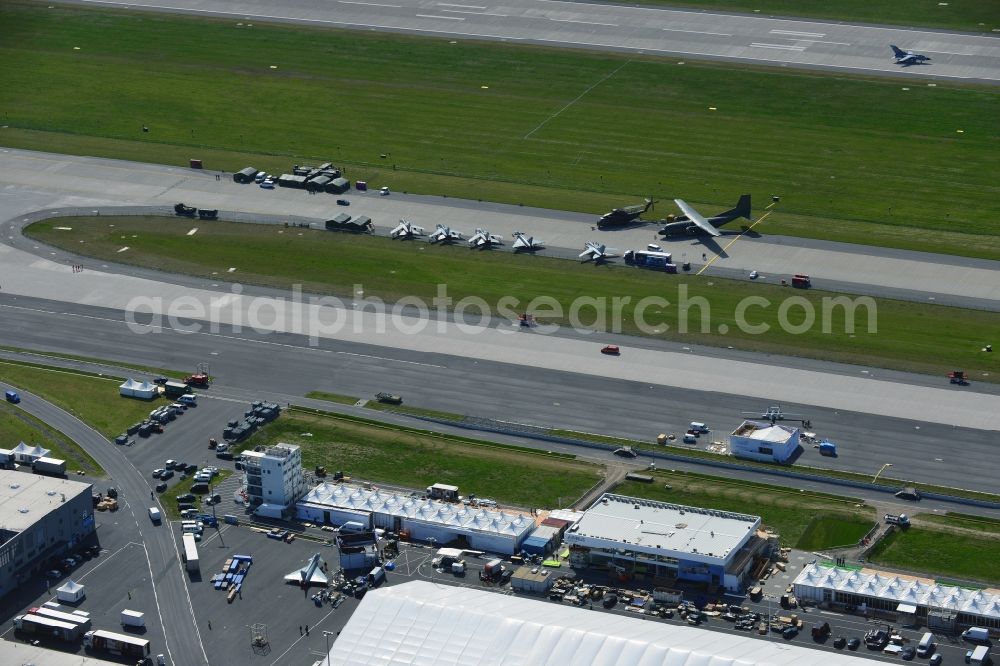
[69, 586]
[420, 623]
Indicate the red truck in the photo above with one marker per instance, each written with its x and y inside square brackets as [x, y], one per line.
[801, 281]
[200, 380]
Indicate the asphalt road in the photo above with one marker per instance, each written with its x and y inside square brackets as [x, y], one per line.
[176, 616]
[753, 38]
[35, 181]
[249, 365]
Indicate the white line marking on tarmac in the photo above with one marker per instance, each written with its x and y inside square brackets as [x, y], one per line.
[796, 32]
[370, 4]
[448, 4]
[446, 18]
[820, 41]
[783, 47]
[699, 32]
[460, 11]
[613, 25]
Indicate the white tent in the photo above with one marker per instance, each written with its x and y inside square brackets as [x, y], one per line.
[131, 388]
[28, 454]
[71, 591]
[420, 623]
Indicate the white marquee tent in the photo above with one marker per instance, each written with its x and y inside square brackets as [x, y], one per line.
[71, 591]
[131, 388]
[422, 624]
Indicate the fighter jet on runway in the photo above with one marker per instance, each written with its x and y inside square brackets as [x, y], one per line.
[907, 58]
[692, 222]
[598, 252]
[310, 574]
[406, 229]
[526, 243]
[622, 216]
[484, 239]
[444, 234]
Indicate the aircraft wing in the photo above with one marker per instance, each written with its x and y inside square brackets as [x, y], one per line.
[696, 217]
[317, 577]
[400, 229]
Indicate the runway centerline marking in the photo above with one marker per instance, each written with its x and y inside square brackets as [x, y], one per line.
[434, 16]
[462, 11]
[448, 4]
[369, 4]
[698, 32]
[611, 25]
[581, 96]
[797, 32]
[783, 47]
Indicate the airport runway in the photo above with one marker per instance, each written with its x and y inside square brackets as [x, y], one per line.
[647, 30]
[252, 365]
[34, 181]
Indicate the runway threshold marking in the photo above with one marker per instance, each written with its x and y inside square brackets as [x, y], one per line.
[730, 244]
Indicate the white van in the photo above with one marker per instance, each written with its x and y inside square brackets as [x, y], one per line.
[976, 635]
[353, 527]
[190, 400]
[698, 427]
[154, 514]
[191, 527]
[926, 645]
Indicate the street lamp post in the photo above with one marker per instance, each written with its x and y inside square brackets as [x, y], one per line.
[326, 635]
[879, 473]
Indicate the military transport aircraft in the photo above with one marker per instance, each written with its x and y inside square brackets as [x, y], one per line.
[692, 222]
[907, 58]
[406, 229]
[622, 216]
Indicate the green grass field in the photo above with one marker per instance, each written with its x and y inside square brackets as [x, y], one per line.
[964, 15]
[941, 554]
[832, 531]
[147, 371]
[785, 511]
[854, 159]
[94, 400]
[977, 523]
[267, 254]
[17, 426]
[382, 454]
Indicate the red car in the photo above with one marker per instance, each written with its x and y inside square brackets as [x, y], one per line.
[611, 349]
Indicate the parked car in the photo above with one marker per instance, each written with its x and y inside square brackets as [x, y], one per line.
[854, 643]
[754, 275]
[388, 398]
[840, 642]
[166, 474]
[187, 497]
[384, 191]
[610, 601]
[908, 653]
[157, 472]
[613, 350]
[343, 202]
[268, 184]
[936, 660]
[160, 380]
[170, 464]
[161, 486]
[625, 452]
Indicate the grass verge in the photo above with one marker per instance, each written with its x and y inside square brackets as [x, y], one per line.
[510, 123]
[383, 407]
[91, 398]
[833, 531]
[388, 270]
[415, 459]
[332, 397]
[940, 553]
[785, 511]
[16, 426]
[977, 523]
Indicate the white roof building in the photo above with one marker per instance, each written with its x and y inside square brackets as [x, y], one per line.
[879, 589]
[768, 442]
[273, 479]
[424, 623]
[490, 530]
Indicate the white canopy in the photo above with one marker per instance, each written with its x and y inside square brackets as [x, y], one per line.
[422, 624]
[71, 591]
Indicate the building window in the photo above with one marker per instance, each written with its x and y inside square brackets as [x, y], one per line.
[766, 450]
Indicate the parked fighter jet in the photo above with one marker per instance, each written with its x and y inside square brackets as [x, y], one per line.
[773, 413]
[906, 58]
[622, 216]
[598, 252]
[526, 243]
[310, 574]
[406, 229]
[692, 222]
[444, 234]
[484, 239]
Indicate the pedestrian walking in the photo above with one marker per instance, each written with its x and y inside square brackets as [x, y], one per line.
[307, 630]
[210, 625]
[300, 630]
